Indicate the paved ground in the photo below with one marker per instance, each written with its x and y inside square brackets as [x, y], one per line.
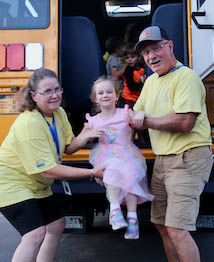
[103, 245]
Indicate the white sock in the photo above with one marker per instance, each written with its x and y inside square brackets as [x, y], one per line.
[114, 206]
[132, 215]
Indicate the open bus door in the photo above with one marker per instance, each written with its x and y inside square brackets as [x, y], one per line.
[202, 37]
[201, 59]
[201, 30]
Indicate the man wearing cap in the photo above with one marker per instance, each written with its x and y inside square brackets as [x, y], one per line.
[172, 106]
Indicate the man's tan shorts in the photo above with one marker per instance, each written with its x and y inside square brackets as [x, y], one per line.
[177, 183]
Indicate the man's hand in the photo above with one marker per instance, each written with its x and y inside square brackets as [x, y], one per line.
[138, 120]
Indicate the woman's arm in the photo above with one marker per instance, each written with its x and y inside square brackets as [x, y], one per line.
[68, 172]
[80, 140]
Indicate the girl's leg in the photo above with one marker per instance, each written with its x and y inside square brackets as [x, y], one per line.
[116, 218]
[29, 247]
[113, 194]
[132, 231]
[49, 246]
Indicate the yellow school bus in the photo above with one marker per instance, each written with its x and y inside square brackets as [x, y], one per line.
[68, 37]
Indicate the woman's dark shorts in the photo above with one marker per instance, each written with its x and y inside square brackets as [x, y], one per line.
[33, 213]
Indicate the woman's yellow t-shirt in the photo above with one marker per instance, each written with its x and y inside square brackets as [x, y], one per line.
[27, 151]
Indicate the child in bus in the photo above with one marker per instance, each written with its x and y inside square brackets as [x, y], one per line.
[125, 174]
[134, 76]
[114, 67]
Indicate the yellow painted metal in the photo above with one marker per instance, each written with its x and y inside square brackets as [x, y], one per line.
[189, 32]
[83, 155]
[6, 121]
[49, 38]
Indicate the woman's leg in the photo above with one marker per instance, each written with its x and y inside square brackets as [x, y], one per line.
[49, 246]
[28, 249]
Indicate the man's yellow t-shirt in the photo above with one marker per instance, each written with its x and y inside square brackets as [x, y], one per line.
[28, 150]
[180, 91]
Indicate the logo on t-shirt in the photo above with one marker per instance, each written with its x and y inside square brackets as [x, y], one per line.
[111, 134]
[40, 163]
[165, 97]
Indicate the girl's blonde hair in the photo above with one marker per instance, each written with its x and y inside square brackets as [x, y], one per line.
[116, 85]
[103, 79]
[25, 101]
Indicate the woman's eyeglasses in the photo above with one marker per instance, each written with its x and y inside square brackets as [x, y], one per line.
[50, 92]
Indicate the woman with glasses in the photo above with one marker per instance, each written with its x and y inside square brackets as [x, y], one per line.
[30, 159]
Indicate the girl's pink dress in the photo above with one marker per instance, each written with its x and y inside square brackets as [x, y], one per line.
[125, 164]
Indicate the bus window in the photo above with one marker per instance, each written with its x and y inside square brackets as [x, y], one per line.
[200, 3]
[126, 8]
[24, 14]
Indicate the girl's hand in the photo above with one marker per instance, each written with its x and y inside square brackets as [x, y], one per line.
[138, 119]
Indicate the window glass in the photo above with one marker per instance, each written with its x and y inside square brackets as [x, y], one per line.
[200, 3]
[24, 14]
[128, 8]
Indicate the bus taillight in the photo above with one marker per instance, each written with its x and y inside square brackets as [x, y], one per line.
[15, 57]
[19, 57]
[2, 57]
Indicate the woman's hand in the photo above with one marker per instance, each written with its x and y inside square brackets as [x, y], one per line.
[85, 135]
[98, 172]
[93, 133]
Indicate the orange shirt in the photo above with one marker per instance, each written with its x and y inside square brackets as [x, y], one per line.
[131, 94]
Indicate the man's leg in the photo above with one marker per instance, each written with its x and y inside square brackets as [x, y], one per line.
[170, 250]
[184, 244]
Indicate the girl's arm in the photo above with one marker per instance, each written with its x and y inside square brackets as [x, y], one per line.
[136, 118]
[131, 114]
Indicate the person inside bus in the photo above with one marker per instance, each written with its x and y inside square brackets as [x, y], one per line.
[134, 75]
[114, 67]
[30, 159]
[174, 110]
[131, 36]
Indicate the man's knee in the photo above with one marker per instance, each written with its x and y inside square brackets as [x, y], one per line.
[177, 234]
[162, 229]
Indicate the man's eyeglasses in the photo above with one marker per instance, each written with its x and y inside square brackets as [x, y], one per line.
[50, 92]
[154, 49]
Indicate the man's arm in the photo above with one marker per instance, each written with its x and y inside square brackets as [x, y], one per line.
[174, 122]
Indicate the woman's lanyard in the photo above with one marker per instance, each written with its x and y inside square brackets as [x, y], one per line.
[54, 134]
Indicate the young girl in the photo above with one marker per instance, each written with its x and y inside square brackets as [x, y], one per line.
[125, 174]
